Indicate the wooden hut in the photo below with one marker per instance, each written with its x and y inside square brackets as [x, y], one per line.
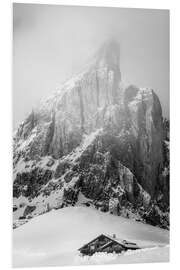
[106, 243]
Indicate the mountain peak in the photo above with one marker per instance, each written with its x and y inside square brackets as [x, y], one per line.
[109, 54]
[97, 139]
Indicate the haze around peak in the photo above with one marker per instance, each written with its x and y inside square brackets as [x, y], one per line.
[51, 43]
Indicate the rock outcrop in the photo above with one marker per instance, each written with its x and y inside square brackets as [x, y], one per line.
[96, 137]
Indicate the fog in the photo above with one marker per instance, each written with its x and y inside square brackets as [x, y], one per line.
[51, 43]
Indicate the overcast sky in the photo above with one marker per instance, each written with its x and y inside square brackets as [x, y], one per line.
[51, 43]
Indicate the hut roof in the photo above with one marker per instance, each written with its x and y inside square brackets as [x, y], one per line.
[123, 243]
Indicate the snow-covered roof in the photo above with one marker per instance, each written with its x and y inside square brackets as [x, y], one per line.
[121, 242]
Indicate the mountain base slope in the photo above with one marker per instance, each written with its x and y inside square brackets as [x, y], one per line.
[53, 239]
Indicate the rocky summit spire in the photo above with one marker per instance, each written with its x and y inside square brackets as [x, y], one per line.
[107, 61]
[109, 55]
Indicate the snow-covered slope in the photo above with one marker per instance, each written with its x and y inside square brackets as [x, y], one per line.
[53, 239]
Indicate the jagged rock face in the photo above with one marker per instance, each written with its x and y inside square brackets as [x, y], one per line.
[126, 153]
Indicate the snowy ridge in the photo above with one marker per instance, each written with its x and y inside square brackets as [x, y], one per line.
[68, 85]
[86, 141]
[55, 198]
[26, 166]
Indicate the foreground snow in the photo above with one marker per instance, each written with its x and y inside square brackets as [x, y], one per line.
[53, 239]
[146, 255]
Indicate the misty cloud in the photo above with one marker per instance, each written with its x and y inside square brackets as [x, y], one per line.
[51, 43]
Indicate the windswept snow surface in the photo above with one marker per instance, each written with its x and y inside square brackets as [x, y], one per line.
[53, 239]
